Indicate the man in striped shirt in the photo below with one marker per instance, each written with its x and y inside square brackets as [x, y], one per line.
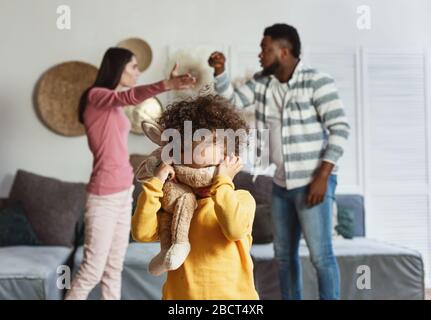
[307, 132]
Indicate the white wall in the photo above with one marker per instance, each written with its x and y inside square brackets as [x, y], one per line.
[31, 43]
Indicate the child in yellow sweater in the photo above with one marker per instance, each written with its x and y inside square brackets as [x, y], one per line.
[219, 265]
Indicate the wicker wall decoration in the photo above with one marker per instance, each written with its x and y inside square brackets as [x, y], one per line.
[141, 49]
[57, 96]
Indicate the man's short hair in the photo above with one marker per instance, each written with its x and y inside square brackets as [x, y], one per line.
[282, 31]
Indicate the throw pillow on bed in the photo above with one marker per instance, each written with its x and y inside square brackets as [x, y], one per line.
[52, 206]
[15, 229]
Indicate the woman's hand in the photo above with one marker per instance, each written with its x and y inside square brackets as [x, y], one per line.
[179, 82]
[164, 171]
[230, 166]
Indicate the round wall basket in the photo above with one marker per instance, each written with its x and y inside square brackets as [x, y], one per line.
[141, 49]
[58, 93]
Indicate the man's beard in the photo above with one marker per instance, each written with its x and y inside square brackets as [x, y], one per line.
[271, 69]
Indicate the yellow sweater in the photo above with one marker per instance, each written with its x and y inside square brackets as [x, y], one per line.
[219, 265]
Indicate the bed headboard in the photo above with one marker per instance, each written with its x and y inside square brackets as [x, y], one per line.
[261, 190]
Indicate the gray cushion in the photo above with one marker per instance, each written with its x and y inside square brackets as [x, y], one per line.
[355, 203]
[52, 206]
[31, 272]
[261, 190]
[3, 202]
[15, 230]
[262, 231]
[346, 222]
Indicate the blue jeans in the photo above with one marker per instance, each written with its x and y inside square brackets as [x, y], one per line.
[291, 216]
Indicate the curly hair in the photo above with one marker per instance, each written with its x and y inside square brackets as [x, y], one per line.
[210, 112]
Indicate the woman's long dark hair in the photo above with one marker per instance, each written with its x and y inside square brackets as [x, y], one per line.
[109, 75]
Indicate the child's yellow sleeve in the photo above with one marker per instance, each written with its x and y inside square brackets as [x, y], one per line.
[144, 220]
[235, 210]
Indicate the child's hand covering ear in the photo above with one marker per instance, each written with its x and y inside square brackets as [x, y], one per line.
[230, 166]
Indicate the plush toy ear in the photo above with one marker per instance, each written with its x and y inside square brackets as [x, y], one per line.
[152, 129]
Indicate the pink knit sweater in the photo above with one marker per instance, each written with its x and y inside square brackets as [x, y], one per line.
[107, 129]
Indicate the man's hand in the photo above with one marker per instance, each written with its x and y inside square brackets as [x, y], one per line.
[230, 166]
[317, 188]
[179, 82]
[217, 61]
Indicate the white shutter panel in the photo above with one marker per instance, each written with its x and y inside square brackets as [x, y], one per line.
[397, 189]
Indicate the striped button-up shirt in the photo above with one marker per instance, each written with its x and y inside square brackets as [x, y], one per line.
[314, 123]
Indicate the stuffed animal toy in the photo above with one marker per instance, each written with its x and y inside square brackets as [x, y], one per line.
[147, 107]
[178, 201]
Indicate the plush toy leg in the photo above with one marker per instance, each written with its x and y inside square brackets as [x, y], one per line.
[157, 264]
[182, 216]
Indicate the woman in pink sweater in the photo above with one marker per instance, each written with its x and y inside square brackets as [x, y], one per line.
[109, 191]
